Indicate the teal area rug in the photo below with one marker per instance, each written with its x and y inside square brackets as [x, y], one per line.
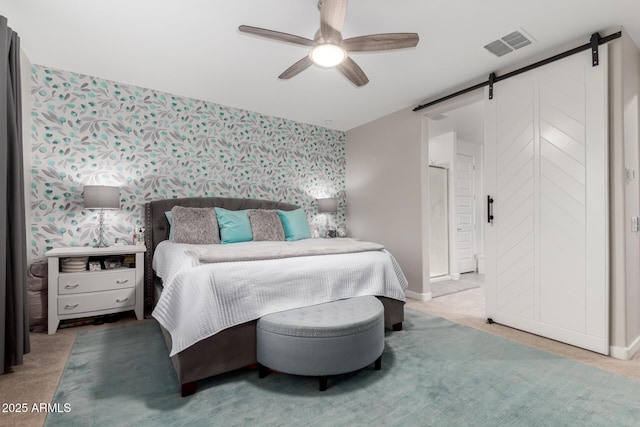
[434, 373]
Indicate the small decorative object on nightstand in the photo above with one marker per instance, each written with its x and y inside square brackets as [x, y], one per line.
[140, 236]
[112, 263]
[82, 292]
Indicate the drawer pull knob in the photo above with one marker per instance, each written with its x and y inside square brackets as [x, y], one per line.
[72, 286]
[121, 282]
[70, 307]
[118, 300]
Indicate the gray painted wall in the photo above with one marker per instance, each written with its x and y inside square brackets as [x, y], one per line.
[384, 189]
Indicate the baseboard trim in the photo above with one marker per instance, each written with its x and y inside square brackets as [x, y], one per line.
[439, 279]
[418, 296]
[625, 353]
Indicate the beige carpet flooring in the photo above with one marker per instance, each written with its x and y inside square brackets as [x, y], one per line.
[36, 380]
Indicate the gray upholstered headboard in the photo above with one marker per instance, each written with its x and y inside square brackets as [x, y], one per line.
[157, 226]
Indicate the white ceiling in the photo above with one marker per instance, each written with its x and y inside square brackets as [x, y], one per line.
[193, 47]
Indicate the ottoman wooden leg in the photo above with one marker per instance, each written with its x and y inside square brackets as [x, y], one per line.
[323, 383]
[263, 371]
[378, 363]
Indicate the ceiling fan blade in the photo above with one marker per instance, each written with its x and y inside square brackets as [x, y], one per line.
[353, 72]
[276, 35]
[376, 42]
[332, 14]
[296, 68]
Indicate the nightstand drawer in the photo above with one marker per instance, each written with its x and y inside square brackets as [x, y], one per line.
[82, 303]
[75, 283]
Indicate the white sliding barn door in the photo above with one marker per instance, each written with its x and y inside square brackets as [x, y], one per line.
[546, 170]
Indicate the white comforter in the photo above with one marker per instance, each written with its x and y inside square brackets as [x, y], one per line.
[200, 300]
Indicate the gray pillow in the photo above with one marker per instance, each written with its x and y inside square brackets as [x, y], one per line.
[195, 225]
[265, 224]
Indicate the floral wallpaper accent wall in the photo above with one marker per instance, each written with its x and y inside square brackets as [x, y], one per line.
[154, 145]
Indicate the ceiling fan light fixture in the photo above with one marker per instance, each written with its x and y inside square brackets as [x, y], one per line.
[328, 55]
[329, 49]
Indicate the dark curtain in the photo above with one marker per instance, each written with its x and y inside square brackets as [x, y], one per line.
[14, 318]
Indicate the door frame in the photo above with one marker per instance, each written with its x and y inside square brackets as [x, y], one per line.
[443, 107]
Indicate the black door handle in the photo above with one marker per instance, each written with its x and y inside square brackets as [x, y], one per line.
[489, 209]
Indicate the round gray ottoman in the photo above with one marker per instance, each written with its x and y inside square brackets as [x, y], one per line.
[326, 339]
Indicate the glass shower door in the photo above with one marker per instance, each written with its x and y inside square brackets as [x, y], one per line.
[439, 224]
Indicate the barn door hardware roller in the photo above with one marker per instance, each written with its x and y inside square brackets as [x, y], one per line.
[595, 42]
[492, 78]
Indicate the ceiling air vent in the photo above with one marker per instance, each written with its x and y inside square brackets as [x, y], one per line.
[516, 40]
[498, 48]
[508, 43]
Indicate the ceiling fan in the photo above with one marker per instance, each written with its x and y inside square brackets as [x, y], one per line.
[329, 49]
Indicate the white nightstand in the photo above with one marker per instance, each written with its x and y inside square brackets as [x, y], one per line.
[90, 293]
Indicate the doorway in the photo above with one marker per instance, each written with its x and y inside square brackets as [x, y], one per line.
[456, 138]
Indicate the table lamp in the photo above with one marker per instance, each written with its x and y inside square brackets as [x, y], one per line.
[101, 197]
[328, 205]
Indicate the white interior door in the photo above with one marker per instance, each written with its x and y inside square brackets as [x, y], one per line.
[464, 217]
[546, 170]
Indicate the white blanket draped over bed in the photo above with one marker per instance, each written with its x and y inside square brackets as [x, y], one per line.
[274, 250]
[202, 299]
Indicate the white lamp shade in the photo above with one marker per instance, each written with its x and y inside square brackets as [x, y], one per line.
[328, 205]
[101, 197]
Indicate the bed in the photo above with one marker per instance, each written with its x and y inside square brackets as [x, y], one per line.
[232, 347]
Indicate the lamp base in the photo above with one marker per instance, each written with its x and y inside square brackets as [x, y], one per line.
[101, 243]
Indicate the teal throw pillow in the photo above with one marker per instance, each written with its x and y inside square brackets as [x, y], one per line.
[295, 224]
[234, 226]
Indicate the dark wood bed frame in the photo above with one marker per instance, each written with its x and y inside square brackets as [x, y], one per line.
[231, 348]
